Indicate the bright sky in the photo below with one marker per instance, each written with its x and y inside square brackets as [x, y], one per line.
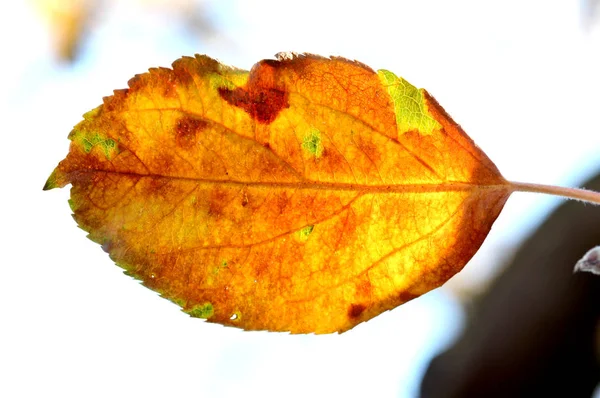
[521, 77]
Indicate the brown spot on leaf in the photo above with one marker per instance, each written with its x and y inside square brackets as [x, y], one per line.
[219, 199]
[183, 72]
[263, 106]
[356, 310]
[283, 201]
[369, 149]
[170, 80]
[333, 161]
[263, 97]
[407, 296]
[187, 131]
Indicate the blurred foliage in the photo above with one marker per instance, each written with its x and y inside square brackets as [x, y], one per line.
[590, 13]
[69, 21]
[66, 21]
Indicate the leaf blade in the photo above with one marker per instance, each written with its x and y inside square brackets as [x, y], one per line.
[212, 165]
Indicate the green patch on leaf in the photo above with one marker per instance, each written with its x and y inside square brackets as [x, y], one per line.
[409, 105]
[179, 301]
[88, 140]
[75, 203]
[305, 232]
[234, 78]
[312, 143]
[93, 113]
[204, 311]
[221, 266]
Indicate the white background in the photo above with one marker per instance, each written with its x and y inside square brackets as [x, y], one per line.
[520, 76]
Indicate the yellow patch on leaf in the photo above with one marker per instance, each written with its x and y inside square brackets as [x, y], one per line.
[307, 195]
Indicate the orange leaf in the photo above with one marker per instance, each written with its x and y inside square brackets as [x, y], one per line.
[307, 195]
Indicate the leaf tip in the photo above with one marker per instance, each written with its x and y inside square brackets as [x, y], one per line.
[57, 179]
[51, 182]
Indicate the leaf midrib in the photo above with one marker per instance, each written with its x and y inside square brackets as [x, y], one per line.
[450, 186]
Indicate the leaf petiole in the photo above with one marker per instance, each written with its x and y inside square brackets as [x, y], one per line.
[571, 193]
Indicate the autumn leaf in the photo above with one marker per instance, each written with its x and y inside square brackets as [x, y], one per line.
[307, 195]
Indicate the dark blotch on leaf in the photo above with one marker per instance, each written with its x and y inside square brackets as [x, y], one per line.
[186, 131]
[263, 106]
[406, 296]
[262, 98]
[356, 310]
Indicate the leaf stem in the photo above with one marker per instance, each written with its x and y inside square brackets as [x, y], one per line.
[571, 193]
